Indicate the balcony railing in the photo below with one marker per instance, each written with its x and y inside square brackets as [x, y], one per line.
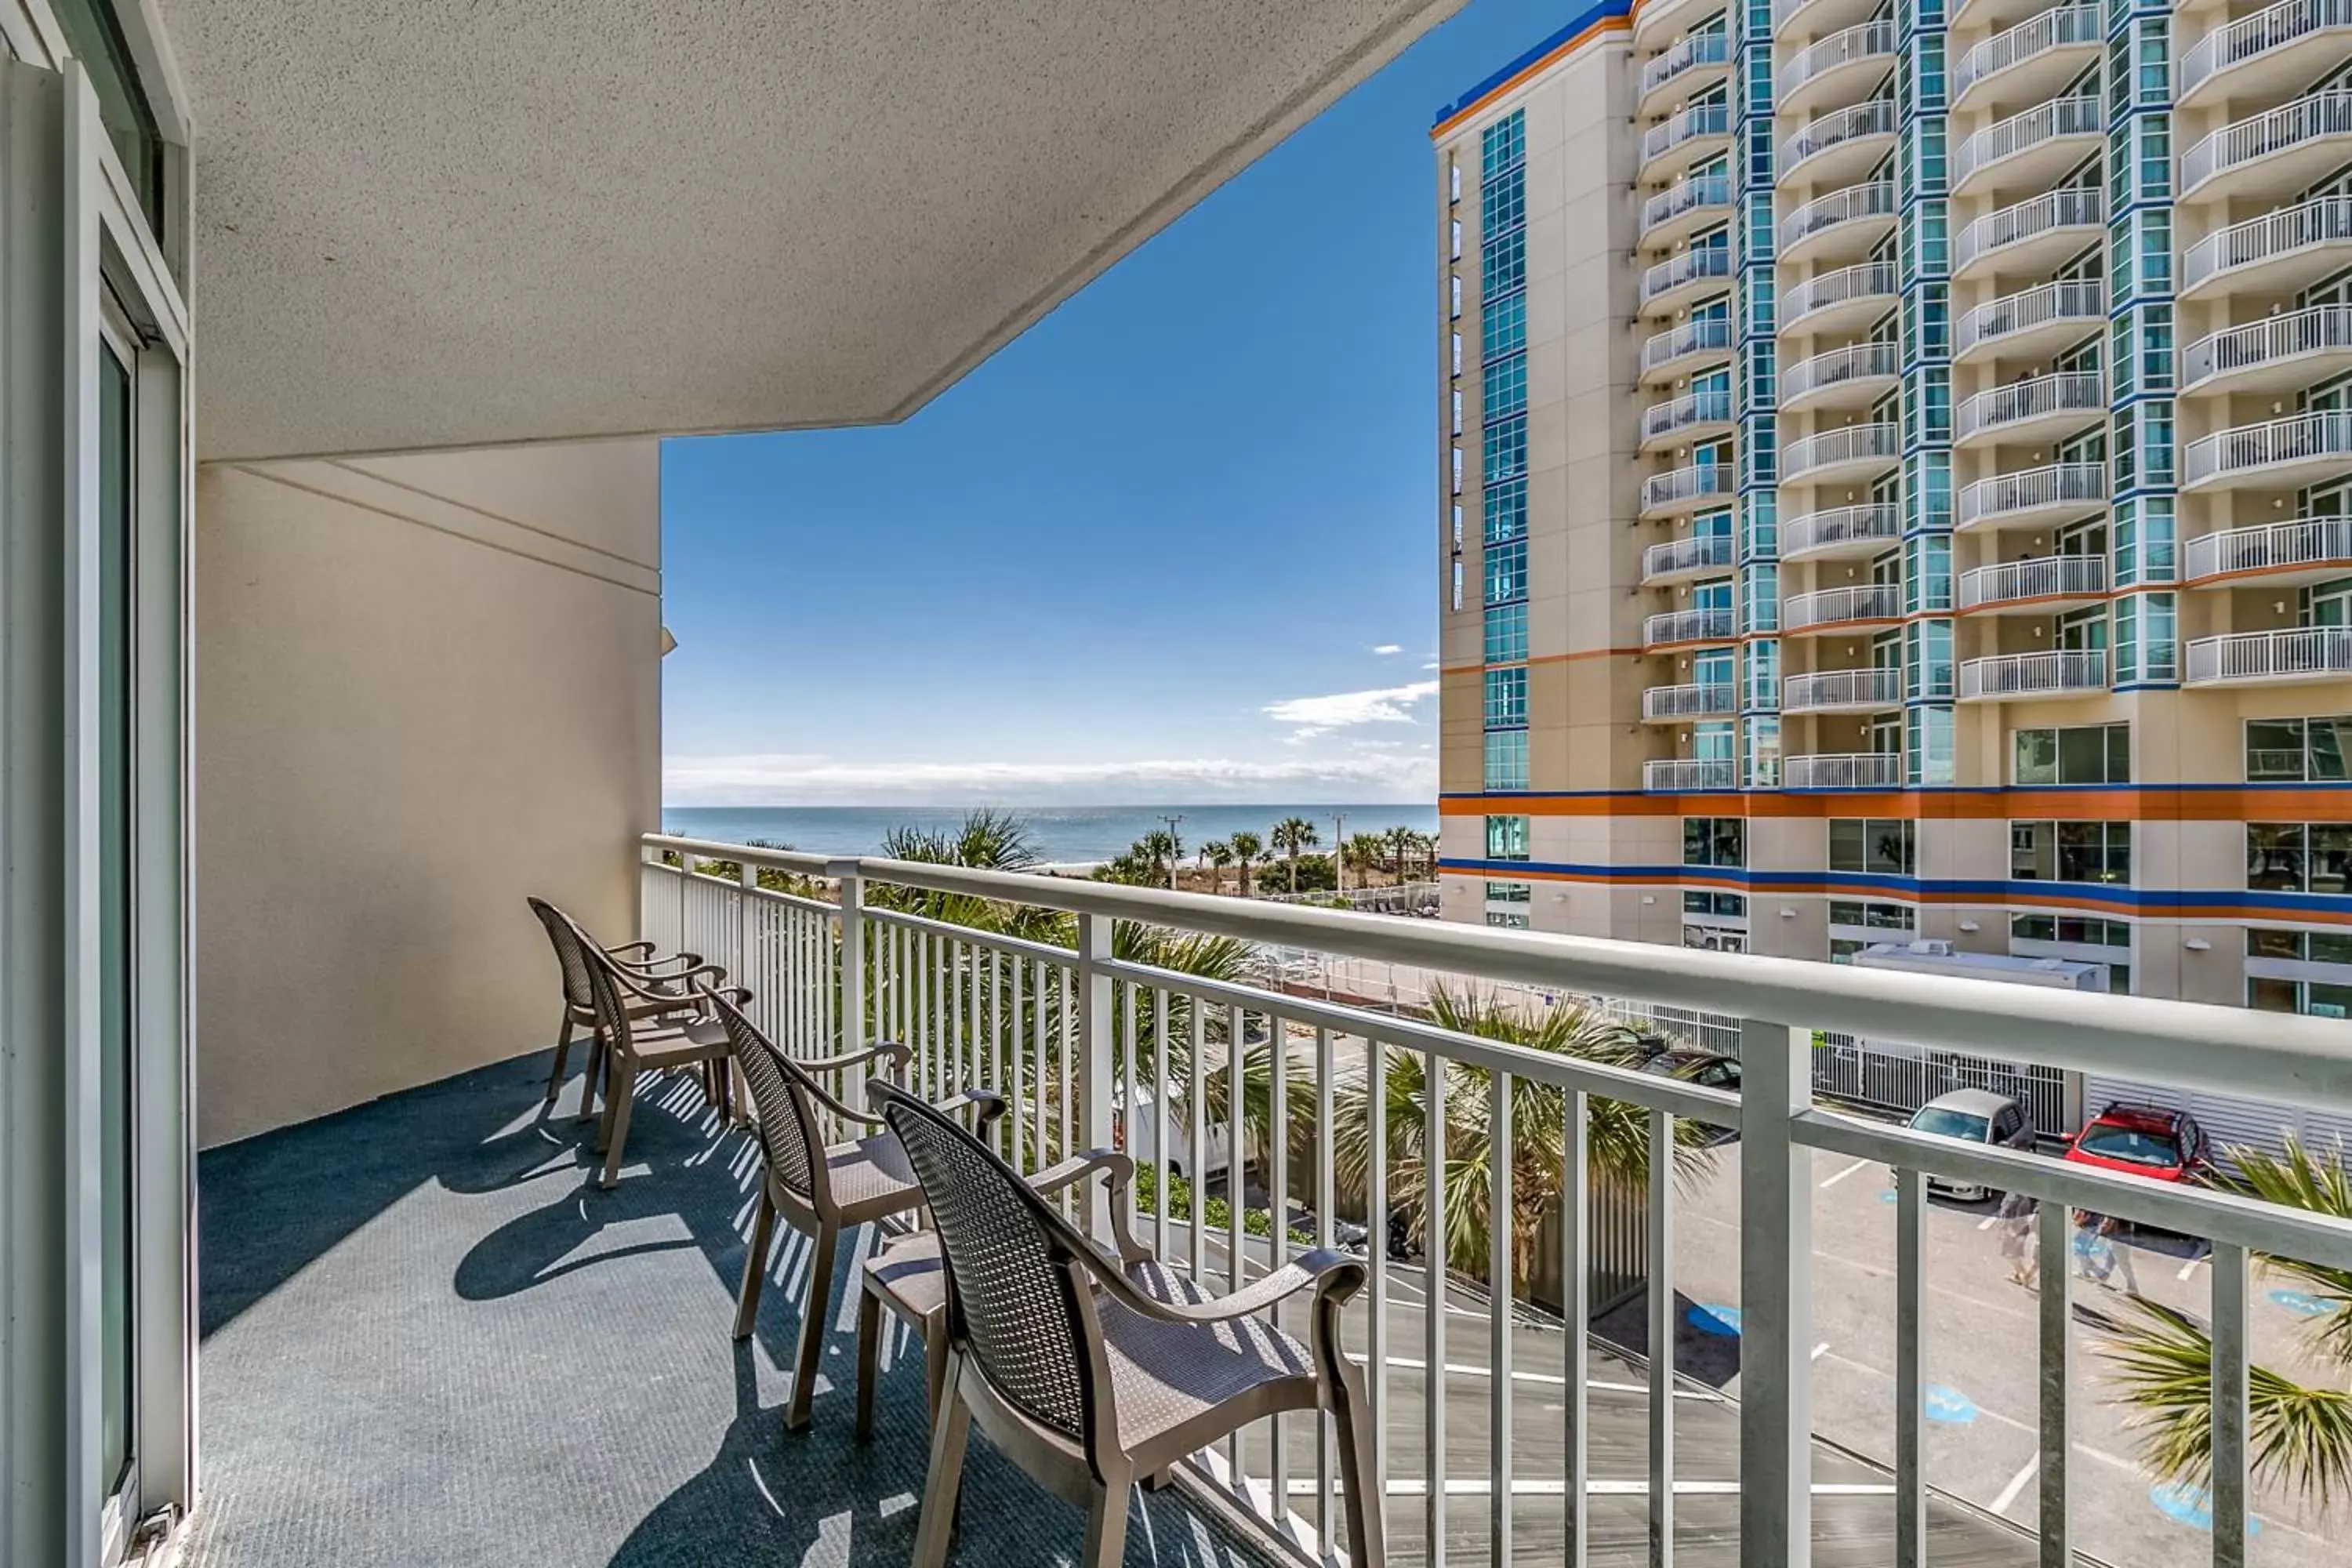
[1863, 281]
[2293, 653]
[1684, 487]
[1699, 335]
[2059, 117]
[2046, 672]
[1856, 361]
[2032, 490]
[2274, 237]
[2271, 547]
[1853, 204]
[2024, 402]
[2272, 27]
[1833, 688]
[1685, 197]
[2028, 219]
[1870, 523]
[1836, 606]
[2068, 300]
[1875, 117]
[1664, 419]
[2296, 440]
[1687, 125]
[2306, 121]
[2042, 577]
[1692, 53]
[1868, 41]
[1687, 626]
[1701, 701]
[2059, 28]
[1683, 775]
[1847, 770]
[1696, 553]
[1689, 267]
[1847, 444]
[2318, 329]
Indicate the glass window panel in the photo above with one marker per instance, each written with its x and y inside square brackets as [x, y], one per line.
[2274, 856]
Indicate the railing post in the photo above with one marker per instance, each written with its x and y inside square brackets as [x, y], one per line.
[749, 880]
[1776, 1298]
[851, 876]
[1095, 1075]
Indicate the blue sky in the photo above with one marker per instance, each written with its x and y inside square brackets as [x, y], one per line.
[1177, 543]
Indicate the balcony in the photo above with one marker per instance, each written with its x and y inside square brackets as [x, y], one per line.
[2048, 672]
[2040, 586]
[2289, 654]
[1838, 148]
[1678, 560]
[1683, 775]
[1841, 533]
[1834, 609]
[2274, 51]
[1847, 300]
[1844, 226]
[2036, 235]
[1678, 626]
[1685, 67]
[1684, 206]
[2027, 63]
[1854, 376]
[2036, 411]
[2272, 155]
[1851, 452]
[2033, 323]
[2029, 150]
[1660, 20]
[2279, 454]
[1864, 690]
[1674, 704]
[1677, 351]
[1682, 420]
[2275, 354]
[1844, 770]
[1685, 491]
[1685, 138]
[2284, 554]
[2280, 252]
[1836, 70]
[2040, 498]
[1997, 15]
[1676, 281]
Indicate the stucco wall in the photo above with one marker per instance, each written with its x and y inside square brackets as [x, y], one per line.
[425, 687]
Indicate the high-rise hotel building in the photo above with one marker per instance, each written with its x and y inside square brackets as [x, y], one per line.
[1894, 464]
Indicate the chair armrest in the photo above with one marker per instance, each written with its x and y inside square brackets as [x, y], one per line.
[1119, 1171]
[898, 1054]
[1335, 1276]
[644, 947]
[988, 1107]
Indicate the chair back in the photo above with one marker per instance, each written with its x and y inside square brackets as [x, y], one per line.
[791, 1137]
[1015, 1299]
[608, 994]
[571, 946]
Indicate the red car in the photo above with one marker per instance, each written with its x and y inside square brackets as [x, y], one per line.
[2150, 1140]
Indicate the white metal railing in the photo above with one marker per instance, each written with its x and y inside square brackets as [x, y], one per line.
[2037, 397]
[2023, 131]
[1854, 362]
[1865, 521]
[2025, 220]
[1847, 444]
[2298, 439]
[1856, 204]
[1701, 482]
[2039, 578]
[2316, 329]
[2289, 652]
[1680, 774]
[2057, 28]
[2271, 546]
[1875, 117]
[1693, 701]
[1686, 125]
[1690, 54]
[2068, 300]
[1844, 770]
[1687, 626]
[1873, 687]
[1699, 335]
[2323, 221]
[1689, 267]
[1684, 411]
[2272, 28]
[2029, 674]
[1685, 197]
[1832, 606]
[2307, 120]
[1863, 281]
[1863, 41]
[1696, 553]
[2031, 490]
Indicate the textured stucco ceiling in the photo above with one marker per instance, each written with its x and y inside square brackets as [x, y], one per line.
[464, 222]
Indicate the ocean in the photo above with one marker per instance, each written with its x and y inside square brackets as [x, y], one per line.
[1063, 833]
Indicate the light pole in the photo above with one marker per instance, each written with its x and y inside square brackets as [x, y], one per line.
[1339, 851]
[1175, 847]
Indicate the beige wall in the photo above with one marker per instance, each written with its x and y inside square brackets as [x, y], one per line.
[425, 687]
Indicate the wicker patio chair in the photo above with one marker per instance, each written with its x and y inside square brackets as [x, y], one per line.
[820, 1190]
[1091, 1383]
[674, 984]
[631, 1045]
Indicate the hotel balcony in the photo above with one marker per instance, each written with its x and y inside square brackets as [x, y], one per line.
[1678, 280]
[2265, 55]
[2282, 555]
[2039, 587]
[1694, 416]
[2032, 323]
[2275, 155]
[1676, 705]
[1836, 609]
[2288, 655]
[1866, 690]
[1656, 24]
[1841, 533]
[2035, 235]
[1685, 491]
[1678, 626]
[1680, 560]
[2275, 354]
[1690, 345]
[1997, 15]
[2030, 148]
[1836, 70]
[1685, 775]
[1854, 376]
[2281, 252]
[2041, 498]
[2028, 62]
[2048, 672]
[1687, 137]
[1849, 453]
[1844, 299]
[1844, 226]
[1839, 147]
[2035, 412]
[2277, 455]
[1844, 770]
[1683, 68]
[1686, 205]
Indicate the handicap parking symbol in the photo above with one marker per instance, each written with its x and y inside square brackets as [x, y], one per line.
[1948, 1405]
[2303, 1303]
[1715, 1322]
[2191, 1506]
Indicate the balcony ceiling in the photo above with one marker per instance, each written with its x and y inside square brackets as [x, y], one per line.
[436, 224]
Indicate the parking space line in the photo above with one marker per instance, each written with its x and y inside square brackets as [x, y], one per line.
[1820, 1350]
[1850, 1170]
[1988, 1221]
[2189, 1267]
[1464, 1369]
[2016, 1485]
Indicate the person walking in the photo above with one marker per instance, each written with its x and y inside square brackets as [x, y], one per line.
[2020, 1244]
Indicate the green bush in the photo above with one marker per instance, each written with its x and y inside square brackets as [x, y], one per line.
[1216, 1214]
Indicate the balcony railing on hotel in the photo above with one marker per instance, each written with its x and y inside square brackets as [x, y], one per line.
[1867, 522]
[2059, 28]
[1690, 267]
[1698, 50]
[1685, 196]
[1692, 409]
[2068, 300]
[1851, 204]
[2033, 490]
[1695, 701]
[2059, 117]
[1844, 770]
[2320, 116]
[1863, 281]
[2035, 215]
[1699, 335]
[1696, 553]
[1826, 690]
[1995, 408]
[2293, 653]
[2298, 439]
[1835, 607]
[1847, 444]
[2274, 236]
[1699, 482]
[1687, 125]
[1683, 775]
[1058, 1031]
[1854, 362]
[2271, 547]
[2317, 328]
[1875, 117]
[2041, 577]
[2272, 28]
[2048, 670]
[1865, 41]
[1685, 626]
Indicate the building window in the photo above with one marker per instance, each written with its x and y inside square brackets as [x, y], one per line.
[1453, 180]
[1507, 510]
[1453, 287]
[2300, 946]
[2078, 931]
[1502, 329]
[1507, 449]
[2298, 856]
[1454, 230]
[1510, 893]
[2070, 851]
[2085, 755]
[2309, 997]
[1505, 387]
[1874, 845]
[1506, 571]
[1714, 841]
[1502, 265]
[1507, 697]
[1506, 838]
[2297, 750]
[1507, 634]
[1502, 204]
[1859, 915]
[1502, 144]
[1507, 920]
[1507, 759]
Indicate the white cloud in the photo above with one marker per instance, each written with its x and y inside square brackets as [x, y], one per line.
[789, 780]
[1382, 705]
[1388, 648]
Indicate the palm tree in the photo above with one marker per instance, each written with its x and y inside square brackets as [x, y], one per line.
[986, 839]
[2298, 1436]
[1159, 849]
[1219, 854]
[1401, 842]
[1363, 851]
[1247, 847]
[1427, 843]
[1291, 835]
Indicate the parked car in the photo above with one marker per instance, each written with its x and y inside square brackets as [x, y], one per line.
[1712, 1070]
[1973, 1116]
[2152, 1141]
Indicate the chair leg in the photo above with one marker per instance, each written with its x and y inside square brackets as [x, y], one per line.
[869, 1358]
[812, 1322]
[755, 1266]
[950, 1424]
[1359, 1473]
[935, 1359]
[562, 1054]
[623, 1100]
[1105, 1526]
[592, 1078]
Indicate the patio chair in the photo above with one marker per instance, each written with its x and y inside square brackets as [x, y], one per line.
[629, 1048]
[673, 982]
[1089, 1382]
[821, 1189]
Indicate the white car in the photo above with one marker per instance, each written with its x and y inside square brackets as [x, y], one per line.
[1974, 1116]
